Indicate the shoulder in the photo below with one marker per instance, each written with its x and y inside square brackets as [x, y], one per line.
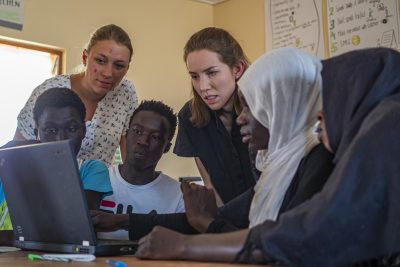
[57, 81]
[93, 166]
[185, 112]
[165, 179]
[126, 87]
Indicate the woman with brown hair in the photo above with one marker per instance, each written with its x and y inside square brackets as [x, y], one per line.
[207, 123]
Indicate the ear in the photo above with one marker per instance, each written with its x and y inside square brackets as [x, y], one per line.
[84, 57]
[167, 147]
[320, 115]
[239, 69]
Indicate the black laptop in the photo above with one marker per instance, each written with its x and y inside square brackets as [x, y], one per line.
[47, 204]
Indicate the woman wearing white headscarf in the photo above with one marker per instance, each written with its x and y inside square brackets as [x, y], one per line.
[283, 92]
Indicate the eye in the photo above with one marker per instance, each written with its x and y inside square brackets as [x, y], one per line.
[156, 137]
[194, 76]
[73, 129]
[137, 131]
[119, 66]
[50, 130]
[100, 61]
[212, 73]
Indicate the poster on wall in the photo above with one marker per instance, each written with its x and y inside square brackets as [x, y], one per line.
[356, 24]
[11, 14]
[294, 23]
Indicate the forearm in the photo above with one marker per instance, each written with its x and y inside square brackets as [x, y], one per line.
[214, 247]
[142, 224]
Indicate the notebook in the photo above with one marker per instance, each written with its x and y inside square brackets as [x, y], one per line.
[47, 204]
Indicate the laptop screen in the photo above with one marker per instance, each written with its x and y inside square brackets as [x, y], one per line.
[44, 194]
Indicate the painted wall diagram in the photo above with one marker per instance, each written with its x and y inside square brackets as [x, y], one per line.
[294, 23]
[356, 24]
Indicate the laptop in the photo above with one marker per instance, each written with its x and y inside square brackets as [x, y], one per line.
[47, 203]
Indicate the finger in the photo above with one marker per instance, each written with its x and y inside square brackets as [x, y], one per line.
[185, 187]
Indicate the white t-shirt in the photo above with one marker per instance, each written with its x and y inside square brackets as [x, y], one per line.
[103, 133]
[162, 195]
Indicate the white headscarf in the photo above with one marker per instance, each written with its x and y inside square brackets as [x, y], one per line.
[283, 91]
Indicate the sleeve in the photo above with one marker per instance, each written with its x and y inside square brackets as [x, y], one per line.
[183, 144]
[234, 215]
[26, 124]
[181, 204]
[95, 177]
[142, 224]
[5, 221]
[133, 103]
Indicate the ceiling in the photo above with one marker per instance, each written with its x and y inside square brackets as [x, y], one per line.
[211, 2]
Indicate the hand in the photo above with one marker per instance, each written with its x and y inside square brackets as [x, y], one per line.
[108, 222]
[162, 243]
[200, 205]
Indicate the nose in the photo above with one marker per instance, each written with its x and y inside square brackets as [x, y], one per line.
[240, 120]
[143, 139]
[107, 70]
[61, 135]
[204, 83]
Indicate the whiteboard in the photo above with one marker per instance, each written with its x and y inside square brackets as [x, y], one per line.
[356, 24]
[294, 23]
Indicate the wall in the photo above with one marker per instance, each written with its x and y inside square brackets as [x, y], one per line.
[158, 28]
[244, 19]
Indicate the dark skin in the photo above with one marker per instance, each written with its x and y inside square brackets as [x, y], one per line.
[56, 124]
[147, 141]
[200, 206]
[163, 243]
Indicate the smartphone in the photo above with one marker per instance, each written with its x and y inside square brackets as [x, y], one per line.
[190, 179]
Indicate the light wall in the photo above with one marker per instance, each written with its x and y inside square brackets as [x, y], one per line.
[159, 30]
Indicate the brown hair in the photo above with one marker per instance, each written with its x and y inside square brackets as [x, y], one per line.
[111, 32]
[229, 51]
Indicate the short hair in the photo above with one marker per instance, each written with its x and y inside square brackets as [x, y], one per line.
[162, 109]
[58, 98]
[111, 32]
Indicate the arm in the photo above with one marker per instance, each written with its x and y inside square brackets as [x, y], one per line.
[207, 180]
[7, 238]
[93, 199]
[163, 243]
[122, 147]
[139, 225]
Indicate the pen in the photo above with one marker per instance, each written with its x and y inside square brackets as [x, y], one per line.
[115, 263]
[33, 257]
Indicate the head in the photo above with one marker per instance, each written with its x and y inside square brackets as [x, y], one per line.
[150, 133]
[107, 58]
[282, 90]
[359, 81]
[59, 114]
[253, 132]
[215, 61]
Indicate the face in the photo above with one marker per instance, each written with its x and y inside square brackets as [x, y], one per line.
[147, 139]
[106, 65]
[321, 131]
[56, 124]
[213, 80]
[253, 133]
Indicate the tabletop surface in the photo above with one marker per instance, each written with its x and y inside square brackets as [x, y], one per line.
[19, 258]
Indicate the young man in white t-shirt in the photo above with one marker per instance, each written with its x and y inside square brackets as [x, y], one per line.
[137, 186]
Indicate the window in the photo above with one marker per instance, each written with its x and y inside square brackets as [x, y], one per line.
[22, 67]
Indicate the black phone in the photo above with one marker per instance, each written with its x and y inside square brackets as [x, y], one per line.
[190, 179]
